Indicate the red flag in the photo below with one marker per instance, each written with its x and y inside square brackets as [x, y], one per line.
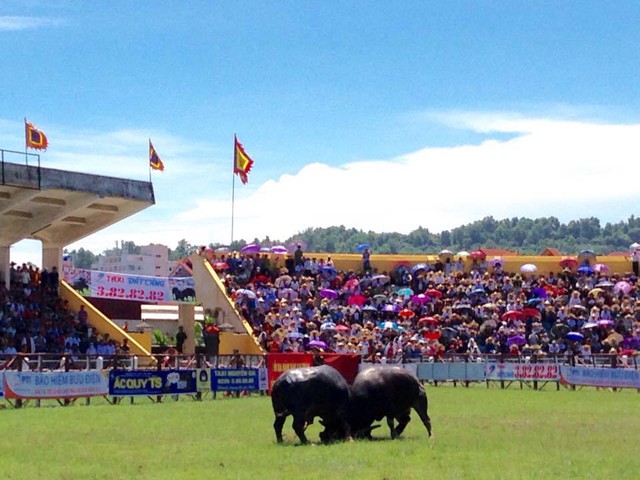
[154, 159]
[242, 162]
[35, 138]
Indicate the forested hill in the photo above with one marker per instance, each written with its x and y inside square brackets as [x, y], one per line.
[527, 236]
[523, 235]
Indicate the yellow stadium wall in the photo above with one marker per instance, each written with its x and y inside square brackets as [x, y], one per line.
[387, 263]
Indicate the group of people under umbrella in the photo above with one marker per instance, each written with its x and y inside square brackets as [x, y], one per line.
[431, 311]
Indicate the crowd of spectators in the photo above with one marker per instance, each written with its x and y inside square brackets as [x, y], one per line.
[431, 311]
[34, 319]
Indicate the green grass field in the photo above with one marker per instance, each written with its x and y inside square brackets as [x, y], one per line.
[479, 433]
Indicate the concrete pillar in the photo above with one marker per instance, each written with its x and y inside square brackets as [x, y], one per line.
[5, 263]
[186, 318]
[52, 257]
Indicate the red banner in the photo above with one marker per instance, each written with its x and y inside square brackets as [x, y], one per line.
[278, 363]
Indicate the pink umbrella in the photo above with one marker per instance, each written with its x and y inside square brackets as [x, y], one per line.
[351, 284]
[357, 300]
[622, 286]
[342, 328]
[220, 266]
[601, 267]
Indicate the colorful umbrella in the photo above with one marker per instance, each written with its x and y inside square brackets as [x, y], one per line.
[328, 293]
[351, 284]
[357, 300]
[432, 292]
[585, 269]
[569, 262]
[420, 298]
[362, 247]
[622, 286]
[512, 315]
[528, 268]
[279, 249]
[406, 313]
[379, 280]
[420, 267]
[601, 267]
[478, 255]
[251, 248]
[405, 292]
[495, 261]
[389, 326]
[317, 344]
[246, 293]
[431, 320]
[574, 336]
[517, 339]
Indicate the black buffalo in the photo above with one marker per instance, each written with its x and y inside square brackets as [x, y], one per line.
[306, 393]
[182, 295]
[389, 392]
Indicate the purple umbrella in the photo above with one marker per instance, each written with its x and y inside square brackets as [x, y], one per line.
[391, 308]
[317, 344]
[421, 298]
[539, 292]
[251, 248]
[517, 339]
[605, 323]
[279, 249]
[328, 293]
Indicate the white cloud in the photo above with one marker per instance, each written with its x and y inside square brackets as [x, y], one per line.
[15, 23]
[568, 169]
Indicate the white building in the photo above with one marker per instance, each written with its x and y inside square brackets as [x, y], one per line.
[152, 261]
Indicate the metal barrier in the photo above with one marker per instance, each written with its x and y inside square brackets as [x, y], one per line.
[20, 158]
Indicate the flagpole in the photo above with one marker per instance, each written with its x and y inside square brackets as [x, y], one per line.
[149, 162]
[26, 143]
[233, 187]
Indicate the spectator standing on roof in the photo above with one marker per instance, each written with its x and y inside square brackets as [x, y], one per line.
[366, 261]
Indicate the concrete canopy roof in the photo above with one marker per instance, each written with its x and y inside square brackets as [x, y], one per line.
[61, 207]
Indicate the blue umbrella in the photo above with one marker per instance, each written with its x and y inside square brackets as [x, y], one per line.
[329, 272]
[586, 269]
[574, 336]
[362, 247]
[419, 267]
[405, 292]
[532, 302]
[389, 325]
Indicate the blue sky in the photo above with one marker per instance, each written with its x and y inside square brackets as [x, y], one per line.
[383, 116]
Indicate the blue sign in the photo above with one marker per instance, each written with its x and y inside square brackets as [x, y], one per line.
[233, 379]
[151, 382]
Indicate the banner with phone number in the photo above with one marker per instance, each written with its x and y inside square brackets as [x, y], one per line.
[95, 283]
[542, 372]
